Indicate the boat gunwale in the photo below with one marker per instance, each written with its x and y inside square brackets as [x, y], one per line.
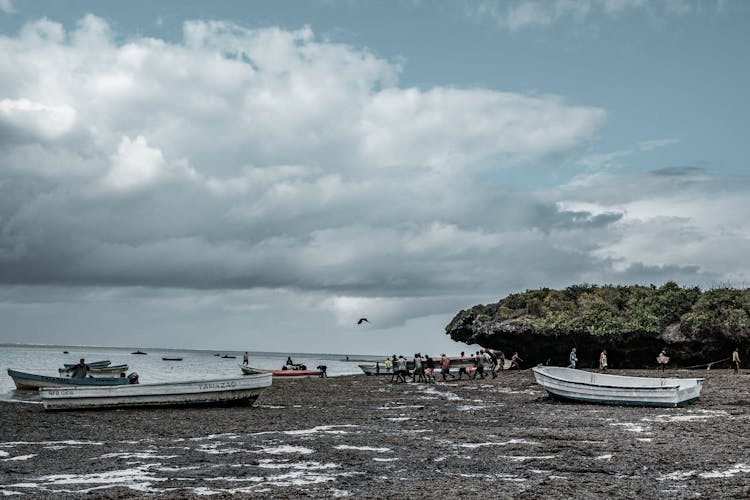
[695, 381]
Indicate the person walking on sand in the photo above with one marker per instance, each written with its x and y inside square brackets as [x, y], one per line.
[516, 361]
[493, 362]
[429, 369]
[462, 369]
[573, 358]
[402, 371]
[80, 370]
[501, 360]
[736, 359]
[245, 359]
[603, 360]
[418, 373]
[394, 365]
[445, 367]
[479, 365]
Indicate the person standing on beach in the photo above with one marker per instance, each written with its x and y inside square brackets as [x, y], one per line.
[80, 370]
[603, 360]
[501, 360]
[573, 358]
[736, 359]
[245, 359]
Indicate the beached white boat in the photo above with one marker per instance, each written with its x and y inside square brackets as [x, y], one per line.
[592, 387]
[217, 392]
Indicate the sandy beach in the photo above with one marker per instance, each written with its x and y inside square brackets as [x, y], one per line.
[365, 437]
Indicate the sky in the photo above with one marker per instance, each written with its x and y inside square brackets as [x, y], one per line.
[257, 176]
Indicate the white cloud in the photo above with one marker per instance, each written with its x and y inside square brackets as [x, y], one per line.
[524, 14]
[41, 121]
[135, 164]
[7, 6]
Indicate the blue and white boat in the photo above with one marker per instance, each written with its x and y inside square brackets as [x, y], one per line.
[216, 392]
[32, 381]
[603, 388]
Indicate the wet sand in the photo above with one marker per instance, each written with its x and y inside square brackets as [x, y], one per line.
[365, 437]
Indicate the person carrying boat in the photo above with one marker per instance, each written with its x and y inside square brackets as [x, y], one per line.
[402, 370]
[573, 358]
[80, 370]
[445, 367]
[493, 362]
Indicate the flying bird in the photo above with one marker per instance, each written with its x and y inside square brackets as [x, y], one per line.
[362, 320]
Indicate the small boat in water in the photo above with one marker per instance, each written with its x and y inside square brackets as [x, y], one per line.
[288, 373]
[167, 358]
[93, 365]
[32, 381]
[107, 371]
[218, 392]
[139, 352]
[602, 388]
[226, 356]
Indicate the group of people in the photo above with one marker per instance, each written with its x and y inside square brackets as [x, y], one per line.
[662, 359]
[485, 362]
[573, 358]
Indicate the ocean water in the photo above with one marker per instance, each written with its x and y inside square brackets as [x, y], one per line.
[195, 364]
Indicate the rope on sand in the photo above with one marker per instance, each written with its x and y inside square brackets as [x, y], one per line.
[707, 365]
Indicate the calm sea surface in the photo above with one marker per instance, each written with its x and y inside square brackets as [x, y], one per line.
[45, 360]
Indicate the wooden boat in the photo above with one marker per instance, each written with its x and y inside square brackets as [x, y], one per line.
[31, 381]
[167, 358]
[94, 364]
[378, 368]
[229, 357]
[107, 371]
[290, 373]
[592, 387]
[139, 352]
[217, 392]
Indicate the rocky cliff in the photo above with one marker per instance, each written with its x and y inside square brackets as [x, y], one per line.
[632, 323]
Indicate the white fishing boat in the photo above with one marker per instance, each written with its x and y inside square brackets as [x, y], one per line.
[603, 388]
[216, 392]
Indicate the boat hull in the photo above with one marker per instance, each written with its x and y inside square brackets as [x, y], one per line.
[589, 387]
[249, 370]
[219, 392]
[32, 381]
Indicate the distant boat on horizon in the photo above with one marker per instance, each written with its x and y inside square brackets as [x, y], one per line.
[167, 358]
[139, 352]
